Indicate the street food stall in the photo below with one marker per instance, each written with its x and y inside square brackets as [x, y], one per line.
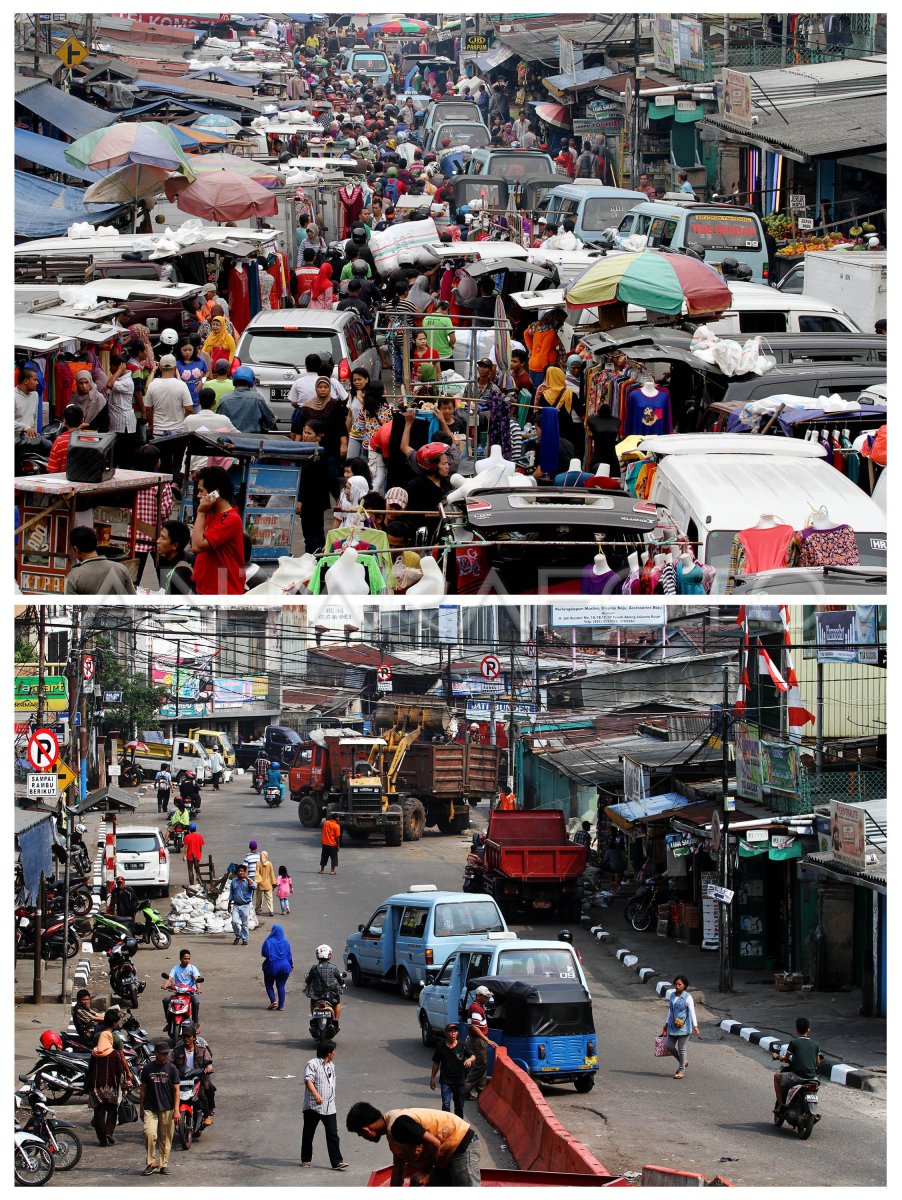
[48, 507]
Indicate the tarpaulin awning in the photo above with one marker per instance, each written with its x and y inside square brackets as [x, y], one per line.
[34, 833]
[574, 81]
[69, 114]
[630, 812]
[220, 75]
[50, 153]
[47, 209]
[493, 58]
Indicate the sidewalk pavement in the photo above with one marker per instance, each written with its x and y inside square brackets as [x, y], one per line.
[854, 1047]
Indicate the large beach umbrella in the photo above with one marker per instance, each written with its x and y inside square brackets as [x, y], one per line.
[652, 279]
[222, 196]
[405, 25]
[216, 123]
[553, 114]
[128, 185]
[147, 142]
[266, 176]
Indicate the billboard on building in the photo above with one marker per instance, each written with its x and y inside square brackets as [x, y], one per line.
[780, 768]
[748, 761]
[635, 780]
[736, 101]
[847, 835]
[56, 693]
[611, 615]
[688, 45]
[663, 43]
[847, 635]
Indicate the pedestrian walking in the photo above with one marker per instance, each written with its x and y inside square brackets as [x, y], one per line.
[241, 892]
[434, 1148]
[250, 861]
[681, 1019]
[265, 880]
[217, 765]
[193, 850]
[163, 780]
[330, 844]
[284, 888]
[159, 1102]
[478, 1042]
[108, 1073]
[319, 1107]
[277, 966]
[450, 1063]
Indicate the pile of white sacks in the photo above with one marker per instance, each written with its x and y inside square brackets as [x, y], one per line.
[192, 912]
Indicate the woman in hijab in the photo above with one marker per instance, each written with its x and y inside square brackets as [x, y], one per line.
[322, 293]
[507, 133]
[206, 327]
[420, 295]
[313, 240]
[554, 393]
[277, 966]
[219, 343]
[108, 1074]
[91, 401]
[332, 414]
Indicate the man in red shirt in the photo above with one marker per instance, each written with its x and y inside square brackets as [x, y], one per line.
[329, 845]
[217, 537]
[194, 848]
[73, 416]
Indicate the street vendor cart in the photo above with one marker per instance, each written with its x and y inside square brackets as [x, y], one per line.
[48, 507]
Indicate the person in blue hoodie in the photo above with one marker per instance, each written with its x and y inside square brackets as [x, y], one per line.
[277, 966]
[274, 778]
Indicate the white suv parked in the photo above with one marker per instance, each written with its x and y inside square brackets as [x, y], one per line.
[142, 859]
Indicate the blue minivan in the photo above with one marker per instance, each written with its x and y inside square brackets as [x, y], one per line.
[721, 230]
[417, 930]
[593, 207]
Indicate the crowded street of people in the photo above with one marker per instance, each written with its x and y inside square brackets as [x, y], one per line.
[450, 305]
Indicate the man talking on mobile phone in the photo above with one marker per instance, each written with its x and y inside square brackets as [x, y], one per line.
[217, 537]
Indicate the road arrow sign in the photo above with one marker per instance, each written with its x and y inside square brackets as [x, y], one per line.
[64, 774]
[43, 749]
[72, 52]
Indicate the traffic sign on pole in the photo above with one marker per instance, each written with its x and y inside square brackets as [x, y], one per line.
[383, 678]
[72, 52]
[490, 667]
[39, 785]
[531, 649]
[64, 774]
[43, 749]
[87, 667]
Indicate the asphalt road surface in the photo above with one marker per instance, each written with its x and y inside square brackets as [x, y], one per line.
[716, 1120]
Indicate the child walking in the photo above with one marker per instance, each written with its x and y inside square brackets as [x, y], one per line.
[284, 888]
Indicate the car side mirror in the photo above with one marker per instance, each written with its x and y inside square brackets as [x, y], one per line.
[431, 974]
[360, 929]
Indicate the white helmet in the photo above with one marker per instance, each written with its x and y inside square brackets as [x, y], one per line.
[169, 337]
[324, 952]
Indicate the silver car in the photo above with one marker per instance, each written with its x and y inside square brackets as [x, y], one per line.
[275, 344]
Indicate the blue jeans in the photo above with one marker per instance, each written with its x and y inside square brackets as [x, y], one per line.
[462, 1168]
[240, 916]
[453, 1098]
[280, 978]
[397, 358]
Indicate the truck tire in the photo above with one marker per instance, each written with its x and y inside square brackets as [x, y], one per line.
[413, 818]
[461, 822]
[356, 974]
[309, 812]
[394, 833]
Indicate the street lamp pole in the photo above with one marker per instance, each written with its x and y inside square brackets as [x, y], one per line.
[723, 875]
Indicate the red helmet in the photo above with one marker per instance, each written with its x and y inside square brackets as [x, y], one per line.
[51, 1040]
[428, 455]
[120, 879]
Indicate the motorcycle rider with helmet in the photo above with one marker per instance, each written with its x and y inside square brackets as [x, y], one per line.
[192, 1052]
[261, 768]
[189, 790]
[566, 936]
[274, 778]
[323, 981]
[179, 818]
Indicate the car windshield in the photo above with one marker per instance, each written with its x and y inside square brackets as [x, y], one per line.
[370, 62]
[464, 135]
[546, 964]
[520, 166]
[460, 920]
[602, 211]
[286, 347]
[723, 231]
[138, 843]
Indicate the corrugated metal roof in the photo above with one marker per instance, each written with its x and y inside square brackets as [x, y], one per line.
[597, 762]
[818, 79]
[818, 130]
[540, 41]
[67, 113]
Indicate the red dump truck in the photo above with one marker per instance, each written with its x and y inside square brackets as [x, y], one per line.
[434, 782]
[530, 864]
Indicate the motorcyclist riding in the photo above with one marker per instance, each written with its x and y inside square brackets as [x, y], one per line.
[802, 1055]
[189, 790]
[261, 766]
[184, 974]
[179, 817]
[274, 777]
[192, 1052]
[323, 981]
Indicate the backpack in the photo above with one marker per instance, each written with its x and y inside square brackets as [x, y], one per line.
[390, 191]
[586, 166]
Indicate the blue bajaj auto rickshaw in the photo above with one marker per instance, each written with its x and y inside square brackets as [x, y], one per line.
[546, 1028]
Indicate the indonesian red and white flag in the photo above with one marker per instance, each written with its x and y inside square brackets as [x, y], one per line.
[766, 666]
[797, 715]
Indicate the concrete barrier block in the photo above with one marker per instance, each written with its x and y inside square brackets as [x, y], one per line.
[630, 960]
[621, 954]
[645, 973]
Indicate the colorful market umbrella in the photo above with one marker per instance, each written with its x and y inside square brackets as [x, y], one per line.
[190, 137]
[223, 196]
[652, 279]
[203, 164]
[128, 185]
[216, 123]
[553, 114]
[146, 142]
[405, 25]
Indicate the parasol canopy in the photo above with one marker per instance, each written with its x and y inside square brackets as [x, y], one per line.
[128, 185]
[553, 114]
[146, 142]
[216, 123]
[135, 745]
[203, 164]
[223, 196]
[405, 25]
[653, 279]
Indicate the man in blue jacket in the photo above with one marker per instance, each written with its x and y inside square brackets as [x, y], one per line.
[241, 892]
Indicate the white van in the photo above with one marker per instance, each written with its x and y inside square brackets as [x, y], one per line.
[712, 485]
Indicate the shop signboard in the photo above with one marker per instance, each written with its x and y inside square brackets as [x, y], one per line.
[847, 835]
[748, 761]
[780, 768]
[635, 780]
[232, 693]
[663, 43]
[477, 43]
[608, 615]
[847, 635]
[736, 101]
[448, 623]
[689, 45]
[56, 693]
[609, 122]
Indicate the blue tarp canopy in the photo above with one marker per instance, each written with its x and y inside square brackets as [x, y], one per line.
[47, 209]
[631, 811]
[570, 81]
[69, 114]
[50, 153]
[236, 78]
